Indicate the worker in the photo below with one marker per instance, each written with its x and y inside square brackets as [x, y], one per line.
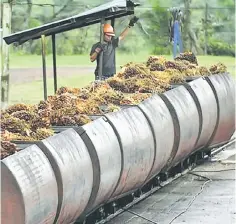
[108, 49]
[175, 30]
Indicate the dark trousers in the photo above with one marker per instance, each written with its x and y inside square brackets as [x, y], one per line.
[104, 77]
[177, 39]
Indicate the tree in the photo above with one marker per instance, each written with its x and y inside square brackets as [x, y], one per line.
[155, 22]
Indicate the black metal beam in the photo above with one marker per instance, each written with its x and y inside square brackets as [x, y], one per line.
[35, 34]
[54, 62]
[113, 25]
[100, 70]
[44, 67]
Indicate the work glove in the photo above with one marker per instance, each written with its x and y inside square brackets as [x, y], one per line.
[133, 21]
[100, 47]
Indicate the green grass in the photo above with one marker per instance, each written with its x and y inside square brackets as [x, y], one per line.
[34, 61]
[33, 92]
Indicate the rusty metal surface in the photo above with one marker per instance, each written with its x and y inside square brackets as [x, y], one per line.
[224, 85]
[74, 166]
[208, 105]
[161, 121]
[188, 118]
[108, 151]
[137, 143]
[28, 188]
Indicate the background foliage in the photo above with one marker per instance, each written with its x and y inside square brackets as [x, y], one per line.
[206, 28]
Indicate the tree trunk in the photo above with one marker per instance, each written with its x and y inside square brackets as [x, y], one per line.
[6, 30]
[186, 25]
[28, 14]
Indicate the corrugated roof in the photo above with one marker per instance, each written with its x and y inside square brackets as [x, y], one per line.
[113, 9]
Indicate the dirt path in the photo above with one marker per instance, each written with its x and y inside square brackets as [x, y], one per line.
[22, 75]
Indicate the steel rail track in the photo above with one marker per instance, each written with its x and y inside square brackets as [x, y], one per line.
[215, 151]
[155, 184]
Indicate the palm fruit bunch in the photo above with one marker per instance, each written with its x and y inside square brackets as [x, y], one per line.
[44, 105]
[156, 63]
[109, 108]
[162, 84]
[5, 135]
[44, 110]
[116, 83]
[113, 107]
[155, 60]
[63, 90]
[130, 85]
[64, 111]
[70, 106]
[15, 125]
[45, 114]
[202, 71]
[30, 118]
[129, 72]
[42, 133]
[65, 121]
[89, 106]
[181, 66]
[218, 68]
[63, 100]
[84, 94]
[188, 56]
[133, 70]
[20, 126]
[149, 86]
[77, 119]
[57, 115]
[142, 78]
[9, 136]
[8, 148]
[163, 78]
[39, 122]
[128, 100]
[176, 71]
[175, 65]
[138, 78]
[81, 119]
[24, 115]
[186, 63]
[92, 107]
[157, 67]
[135, 98]
[139, 97]
[94, 86]
[18, 107]
[68, 116]
[175, 76]
[107, 95]
[61, 109]
[190, 72]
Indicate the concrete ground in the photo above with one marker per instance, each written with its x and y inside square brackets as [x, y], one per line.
[205, 195]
